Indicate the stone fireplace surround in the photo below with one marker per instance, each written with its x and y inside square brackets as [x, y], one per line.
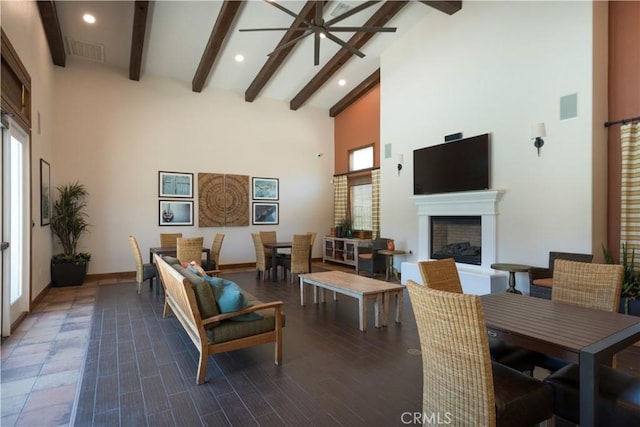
[476, 279]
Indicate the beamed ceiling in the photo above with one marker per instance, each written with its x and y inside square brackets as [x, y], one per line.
[196, 42]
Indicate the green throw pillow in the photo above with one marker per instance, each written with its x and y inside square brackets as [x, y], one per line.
[204, 294]
[230, 298]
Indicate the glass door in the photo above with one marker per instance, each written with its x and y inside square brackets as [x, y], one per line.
[14, 264]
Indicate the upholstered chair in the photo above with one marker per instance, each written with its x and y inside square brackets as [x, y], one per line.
[370, 260]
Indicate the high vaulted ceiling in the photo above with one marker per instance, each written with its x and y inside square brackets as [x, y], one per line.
[196, 42]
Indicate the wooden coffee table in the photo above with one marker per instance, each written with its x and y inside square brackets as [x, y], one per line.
[359, 287]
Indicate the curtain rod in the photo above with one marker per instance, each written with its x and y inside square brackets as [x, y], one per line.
[623, 121]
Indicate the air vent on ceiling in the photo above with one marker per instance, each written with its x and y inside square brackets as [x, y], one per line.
[339, 9]
[86, 50]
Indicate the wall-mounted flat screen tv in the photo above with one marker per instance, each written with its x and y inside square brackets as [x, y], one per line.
[461, 165]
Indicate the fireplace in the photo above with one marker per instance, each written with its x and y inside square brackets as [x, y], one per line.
[457, 237]
[477, 277]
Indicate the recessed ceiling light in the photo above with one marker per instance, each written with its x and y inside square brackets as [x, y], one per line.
[342, 82]
[239, 58]
[89, 18]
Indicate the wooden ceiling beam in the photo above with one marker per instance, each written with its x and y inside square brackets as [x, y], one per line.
[141, 9]
[383, 15]
[367, 84]
[219, 33]
[448, 7]
[274, 61]
[51, 25]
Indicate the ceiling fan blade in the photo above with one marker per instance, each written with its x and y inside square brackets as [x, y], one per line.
[351, 12]
[264, 29]
[288, 12]
[290, 42]
[318, 19]
[345, 45]
[316, 48]
[362, 29]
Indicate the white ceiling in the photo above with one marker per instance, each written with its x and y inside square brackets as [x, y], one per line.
[178, 31]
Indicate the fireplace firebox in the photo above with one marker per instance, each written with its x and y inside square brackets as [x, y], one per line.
[457, 237]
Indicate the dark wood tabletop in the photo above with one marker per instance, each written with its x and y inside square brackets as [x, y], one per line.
[577, 334]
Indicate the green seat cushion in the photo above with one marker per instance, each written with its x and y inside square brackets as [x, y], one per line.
[228, 330]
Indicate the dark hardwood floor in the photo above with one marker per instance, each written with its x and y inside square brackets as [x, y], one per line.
[140, 368]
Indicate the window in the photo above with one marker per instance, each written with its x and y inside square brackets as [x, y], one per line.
[361, 158]
[361, 206]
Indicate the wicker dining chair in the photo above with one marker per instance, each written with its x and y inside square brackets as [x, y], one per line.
[298, 261]
[541, 278]
[268, 237]
[189, 249]
[459, 379]
[168, 240]
[261, 264]
[596, 286]
[216, 246]
[144, 271]
[443, 275]
[588, 285]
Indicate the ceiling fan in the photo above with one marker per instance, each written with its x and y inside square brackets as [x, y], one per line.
[321, 28]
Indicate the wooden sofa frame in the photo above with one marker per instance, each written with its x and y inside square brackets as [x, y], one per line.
[181, 299]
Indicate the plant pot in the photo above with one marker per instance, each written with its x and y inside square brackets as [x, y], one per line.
[68, 274]
[629, 306]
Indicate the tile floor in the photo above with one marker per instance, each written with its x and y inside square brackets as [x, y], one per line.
[43, 360]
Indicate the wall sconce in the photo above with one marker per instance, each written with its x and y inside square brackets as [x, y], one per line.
[537, 132]
[400, 161]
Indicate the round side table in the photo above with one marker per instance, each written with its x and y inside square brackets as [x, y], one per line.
[512, 269]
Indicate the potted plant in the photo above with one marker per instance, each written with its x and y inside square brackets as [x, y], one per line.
[630, 295]
[347, 227]
[68, 224]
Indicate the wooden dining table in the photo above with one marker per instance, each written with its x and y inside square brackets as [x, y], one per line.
[577, 334]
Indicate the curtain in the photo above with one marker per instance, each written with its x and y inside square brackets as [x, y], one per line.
[630, 187]
[340, 191]
[375, 201]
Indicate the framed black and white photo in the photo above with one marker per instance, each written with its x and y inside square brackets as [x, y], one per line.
[45, 192]
[265, 213]
[265, 188]
[175, 184]
[175, 212]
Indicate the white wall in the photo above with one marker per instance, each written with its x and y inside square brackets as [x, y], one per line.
[114, 135]
[500, 67]
[21, 22]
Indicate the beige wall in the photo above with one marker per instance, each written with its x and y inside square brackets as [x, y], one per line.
[114, 135]
[21, 23]
[500, 67]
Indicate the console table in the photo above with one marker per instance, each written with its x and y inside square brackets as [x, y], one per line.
[342, 250]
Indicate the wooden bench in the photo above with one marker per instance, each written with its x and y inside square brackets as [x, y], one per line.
[218, 334]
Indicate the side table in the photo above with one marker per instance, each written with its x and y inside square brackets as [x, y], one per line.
[389, 262]
[512, 269]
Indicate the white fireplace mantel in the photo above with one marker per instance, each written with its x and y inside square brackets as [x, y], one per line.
[475, 279]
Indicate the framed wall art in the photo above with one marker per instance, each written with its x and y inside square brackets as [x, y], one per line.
[175, 212]
[45, 192]
[175, 184]
[265, 188]
[265, 213]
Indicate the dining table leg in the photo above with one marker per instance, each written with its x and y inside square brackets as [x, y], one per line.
[274, 265]
[589, 386]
